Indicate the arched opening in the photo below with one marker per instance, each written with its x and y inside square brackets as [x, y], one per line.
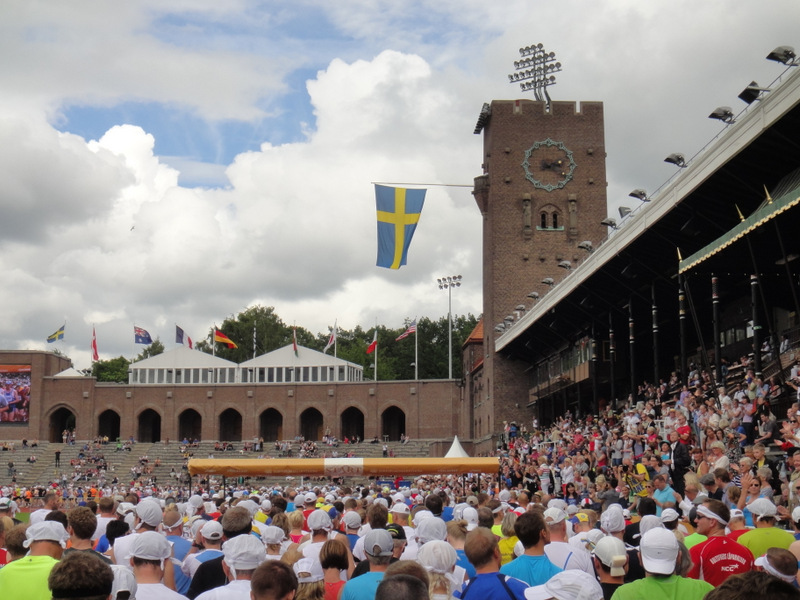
[311, 424]
[190, 425]
[543, 217]
[149, 426]
[393, 423]
[352, 424]
[61, 420]
[270, 426]
[555, 220]
[230, 426]
[108, 425]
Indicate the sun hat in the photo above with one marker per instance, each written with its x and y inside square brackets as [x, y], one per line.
[659, 550]
[612, 553]
[150, 545]
[46, 531]
[318, 520]
[244, 552]
[567, 585]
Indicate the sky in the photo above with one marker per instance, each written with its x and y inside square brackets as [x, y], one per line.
[175, 162]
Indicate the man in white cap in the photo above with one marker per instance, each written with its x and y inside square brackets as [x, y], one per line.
[567, 585]
[27, 577]
[765, 535]
[613, 523]
[209, 542]
[659, 552]
[610, 561]
[241, 557]
[400, 513]
[559, 551]
[378, 546]
[718, 557]
[150, 553]
[148, 518]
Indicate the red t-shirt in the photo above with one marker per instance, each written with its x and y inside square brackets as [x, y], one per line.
[718, 558]
[737, 533]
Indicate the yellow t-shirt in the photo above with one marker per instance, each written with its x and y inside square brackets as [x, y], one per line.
[507, 549]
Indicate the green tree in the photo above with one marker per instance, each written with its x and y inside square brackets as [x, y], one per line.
[157, 347]
[114, 370]
[271, 333]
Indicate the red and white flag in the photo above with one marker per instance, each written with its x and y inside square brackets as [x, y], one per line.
[411, 329]
[95, 355]
[331, 340]
[294, 340]
[371, 348]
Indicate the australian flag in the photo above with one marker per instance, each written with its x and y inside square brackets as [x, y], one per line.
[141, 336]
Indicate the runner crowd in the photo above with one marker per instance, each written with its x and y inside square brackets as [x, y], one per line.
[691, 494]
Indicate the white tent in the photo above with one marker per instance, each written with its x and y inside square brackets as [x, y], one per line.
[456, 450]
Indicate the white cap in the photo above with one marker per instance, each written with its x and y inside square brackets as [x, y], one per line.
[401, 508]
[266, 505]
[149, 512]
[319, 519]
[422, 515]
[504, 496]
[150, 545]
[249, 506]
[668, 515]
[272, 534]
[437, 556]
[352, 520]
[762, 508]
[244, 552]
[431, 529]
[470, 515]
[308, 570]
[554, 515]
[659, 550]
[567, 585]
[612, 553]
[211, 530]
[50, 531]
[612, 521]
[381, 539]
[309, 498]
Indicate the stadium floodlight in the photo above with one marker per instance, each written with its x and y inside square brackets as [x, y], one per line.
[609, 222]
[534, 295]
[586, 245]
[448, 283]
[753, 92]
[724, 114]
[640, 194]
[535, 71]
[624, 211]
[785, 55]
[520, 307]
[676, 159]
[565, 264]
[549, 281]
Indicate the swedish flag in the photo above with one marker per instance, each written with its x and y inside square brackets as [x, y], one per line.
[399, 210]
[58, 335]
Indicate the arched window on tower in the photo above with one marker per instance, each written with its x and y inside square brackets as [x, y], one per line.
[544, 220]
[555, 220]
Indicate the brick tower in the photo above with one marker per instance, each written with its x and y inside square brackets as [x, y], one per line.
[542, 193]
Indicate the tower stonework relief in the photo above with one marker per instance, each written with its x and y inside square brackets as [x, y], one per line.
[542, 192]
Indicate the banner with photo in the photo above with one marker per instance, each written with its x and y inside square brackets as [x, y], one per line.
[15, 393]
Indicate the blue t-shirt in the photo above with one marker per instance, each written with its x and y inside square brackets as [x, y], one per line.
[180, 548]
[362, 587]
[533, 570]
[463, 561]
[490, 585]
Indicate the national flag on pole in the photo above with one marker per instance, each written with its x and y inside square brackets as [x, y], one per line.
[371, 348]
[223, 339]
[331, 340]
[399, 210]
[294, 341]
[411, 329]
[141, 336]
[95, 355]
[58, 335]
[182, 338]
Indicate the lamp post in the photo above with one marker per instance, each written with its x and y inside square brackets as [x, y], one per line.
[448, 283]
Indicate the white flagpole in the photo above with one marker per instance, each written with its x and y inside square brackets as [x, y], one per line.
[416, 349]
[213, 343]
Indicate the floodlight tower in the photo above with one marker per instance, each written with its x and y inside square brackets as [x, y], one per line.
[535, 71]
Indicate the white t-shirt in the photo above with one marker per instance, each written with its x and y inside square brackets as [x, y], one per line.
[566, 556]
[157, 591]
[238, 589]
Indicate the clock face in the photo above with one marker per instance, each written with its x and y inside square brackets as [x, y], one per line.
[548, 165]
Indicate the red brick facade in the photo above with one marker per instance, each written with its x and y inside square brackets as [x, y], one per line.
[528, 231]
